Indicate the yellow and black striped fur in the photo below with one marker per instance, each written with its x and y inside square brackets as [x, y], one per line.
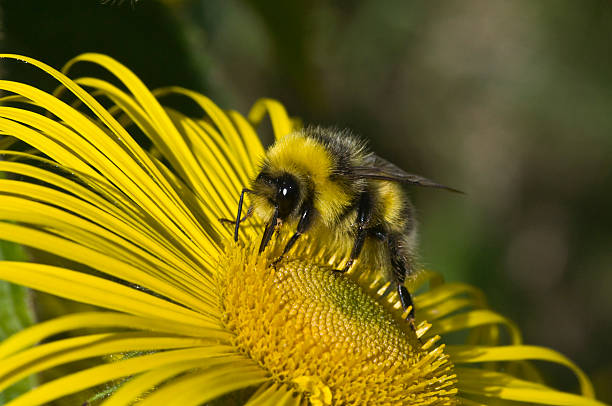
[326, 182]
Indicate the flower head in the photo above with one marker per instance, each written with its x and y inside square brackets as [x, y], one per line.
[309, 325]
[186, 315]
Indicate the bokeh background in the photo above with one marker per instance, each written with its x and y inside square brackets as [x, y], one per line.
[510, 101]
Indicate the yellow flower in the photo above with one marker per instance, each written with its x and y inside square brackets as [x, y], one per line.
[186, 315]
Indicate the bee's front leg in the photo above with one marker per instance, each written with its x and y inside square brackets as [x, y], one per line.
[269, 231]
[306, 216]
[238, 219]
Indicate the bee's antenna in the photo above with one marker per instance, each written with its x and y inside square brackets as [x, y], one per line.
[240, 212]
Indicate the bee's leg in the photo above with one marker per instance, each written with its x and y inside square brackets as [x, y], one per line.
[406, 300]
[364, 214]
[269, 231]
[357, 246]
[402, 266]
[303, 226]
[240, 212]
[246, 216]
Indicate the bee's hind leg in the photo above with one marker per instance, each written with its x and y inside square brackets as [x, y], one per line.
[402, 266]
[406, 300]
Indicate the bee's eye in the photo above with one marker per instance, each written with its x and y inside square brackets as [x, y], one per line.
[264, 178]
[287, 195]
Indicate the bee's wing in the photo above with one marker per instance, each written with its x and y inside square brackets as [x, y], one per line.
[376, 167]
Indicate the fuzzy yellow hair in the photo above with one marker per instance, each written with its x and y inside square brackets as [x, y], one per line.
[306, 157]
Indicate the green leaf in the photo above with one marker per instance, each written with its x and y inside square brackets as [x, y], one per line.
[15, 315]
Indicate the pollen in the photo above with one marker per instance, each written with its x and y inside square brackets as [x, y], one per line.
[320, 332]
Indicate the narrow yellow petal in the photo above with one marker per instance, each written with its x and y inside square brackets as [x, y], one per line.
[120, 268]
[88, 320]
[220, 119]
[251, 140]
[281, 124]
[109, 224]
[496, 385]
[112, 161]
[441, 293]
[175, 149]
[200, 387]
[128, 219]
[97, 291]
[216, 175]
[235, 174]
[210, 212]
[92, 155]
[45, 142]
[145, 382]
[445, 308]
[141, 93]
[274, 395]
[475, 318]
[47, 356]
[475, 354]
[263, 394]
[104, 373]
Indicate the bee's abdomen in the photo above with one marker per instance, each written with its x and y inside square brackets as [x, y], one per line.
[393, 208]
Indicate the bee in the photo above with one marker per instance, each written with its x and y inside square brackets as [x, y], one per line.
[326, 182]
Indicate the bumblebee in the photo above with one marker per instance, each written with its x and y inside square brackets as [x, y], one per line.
[326, 182]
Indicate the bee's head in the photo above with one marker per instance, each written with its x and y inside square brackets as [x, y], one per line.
[279, 191]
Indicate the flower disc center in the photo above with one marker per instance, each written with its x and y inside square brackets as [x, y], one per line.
[307, 323]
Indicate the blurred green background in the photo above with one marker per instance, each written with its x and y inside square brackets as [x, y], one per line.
[510, 101]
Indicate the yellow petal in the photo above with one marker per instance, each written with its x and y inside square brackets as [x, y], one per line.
[120, 268]
[47, 356]
[44, 330]
[104, 373]
[472, 319]
[281, 124]
[122, 219]
[97, 291]
[443, 292]
[199, 387]
[275, 395]
[147, 381]
[252, 143]
[236, 142]
[476, 354]
[496, 385]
